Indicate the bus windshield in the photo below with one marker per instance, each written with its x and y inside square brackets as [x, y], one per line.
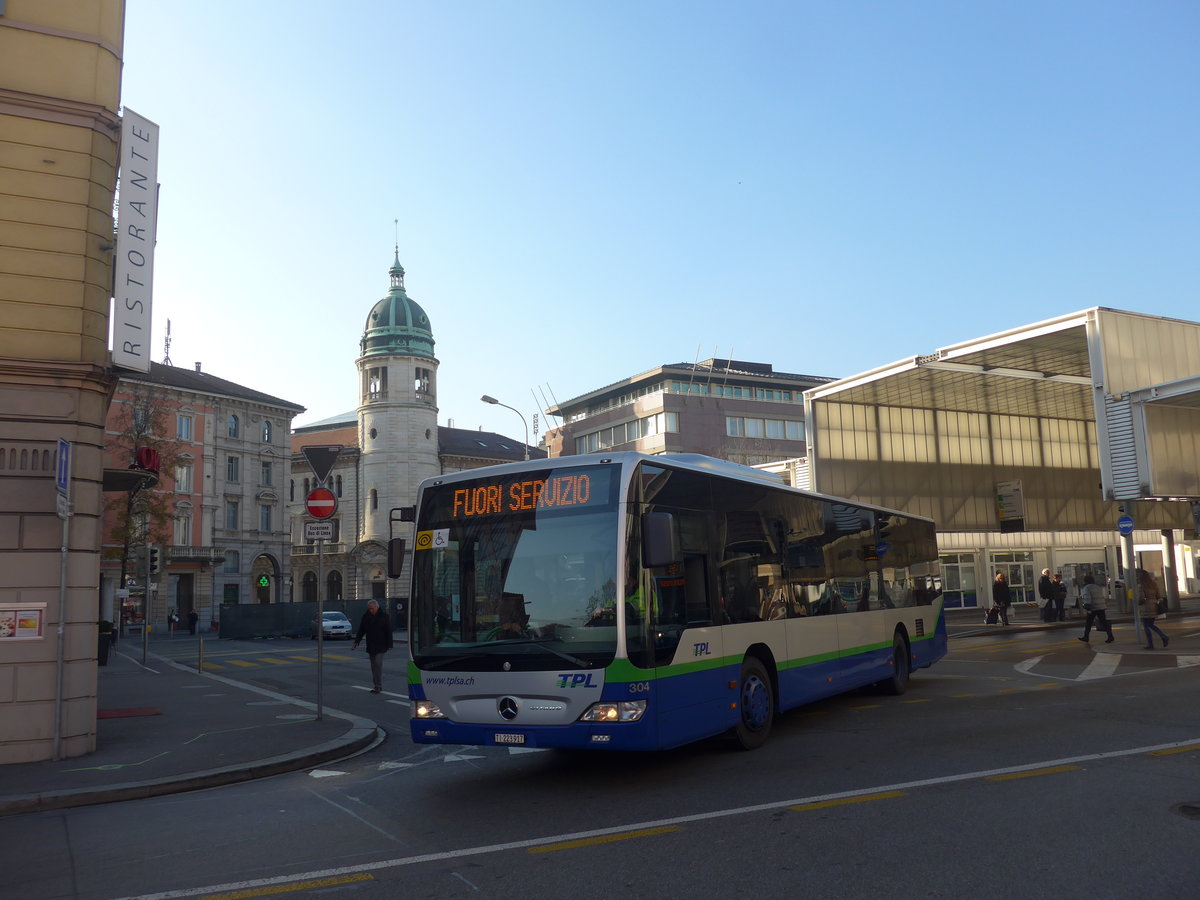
[496, 589]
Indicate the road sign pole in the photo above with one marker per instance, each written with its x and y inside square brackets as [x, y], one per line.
[320, 627]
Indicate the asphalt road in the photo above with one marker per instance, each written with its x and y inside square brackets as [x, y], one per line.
[1013, 768]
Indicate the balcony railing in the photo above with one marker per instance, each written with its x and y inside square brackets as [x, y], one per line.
[311, 549]
[182, 554]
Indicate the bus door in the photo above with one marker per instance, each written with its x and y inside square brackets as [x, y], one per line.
[691, 694]
[814, 667]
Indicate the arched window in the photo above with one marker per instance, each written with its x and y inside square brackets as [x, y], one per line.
[374, 499]
[338, 482]
[234, 426]
[308, 587]
[266, 432]
[333, 587]
[291, 489]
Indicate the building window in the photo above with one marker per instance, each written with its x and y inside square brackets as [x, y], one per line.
[778, 429]
[230, 594]
[374, 499]
[377, 383]
[183, 530]
[234, 426]
[291, 489]
[423, 383]
[183, 428]
[183, 478]
[338, 481]
[232, 469]
[266, 432]
[266, 473]
[337, 531]
[231, 515]
[264, 518]
[307, 489]
[232, 562]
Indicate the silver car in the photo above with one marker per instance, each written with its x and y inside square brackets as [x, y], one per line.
[334, 624]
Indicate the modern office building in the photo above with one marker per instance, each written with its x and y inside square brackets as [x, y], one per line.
[745, 412]
[1071, 444]
[60, 91]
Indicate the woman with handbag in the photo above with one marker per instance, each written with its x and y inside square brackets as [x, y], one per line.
[1096, 606]
[1148, 607]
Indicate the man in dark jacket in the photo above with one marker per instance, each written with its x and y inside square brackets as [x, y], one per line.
[376, 627]
[1046, 593]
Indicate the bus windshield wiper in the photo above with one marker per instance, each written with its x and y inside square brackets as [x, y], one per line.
[542, 643]
[445, 661]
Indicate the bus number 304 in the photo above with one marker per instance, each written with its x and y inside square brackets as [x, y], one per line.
[639, 687]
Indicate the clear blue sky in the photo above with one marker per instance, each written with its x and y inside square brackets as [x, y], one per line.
[588, 190]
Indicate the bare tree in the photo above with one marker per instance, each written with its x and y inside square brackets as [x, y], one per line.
[143, 515]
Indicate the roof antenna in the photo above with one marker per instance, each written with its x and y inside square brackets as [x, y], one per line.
[167, 346]
[396, 225]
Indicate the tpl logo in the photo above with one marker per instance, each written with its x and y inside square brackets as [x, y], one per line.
[701, 649]
[576, 679]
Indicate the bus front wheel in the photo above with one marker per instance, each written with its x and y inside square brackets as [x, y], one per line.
[757, 705]
[897, 683]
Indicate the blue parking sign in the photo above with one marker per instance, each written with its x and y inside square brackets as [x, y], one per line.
[62, 471]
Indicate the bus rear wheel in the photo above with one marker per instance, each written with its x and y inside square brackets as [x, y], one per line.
[897, 683]
[756, 703]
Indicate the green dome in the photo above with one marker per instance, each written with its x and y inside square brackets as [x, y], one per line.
[397, 324]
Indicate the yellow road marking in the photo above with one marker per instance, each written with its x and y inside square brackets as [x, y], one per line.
[872, 706]
[1033, 773]
[304, 658]
[926, 700]
[242, 663]
[291, 888]
[208, 665]
[864, 798]
[604, 839]
[273, 660]
[337, 656]
[1172, 750]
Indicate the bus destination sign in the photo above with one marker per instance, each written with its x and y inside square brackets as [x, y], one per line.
[500, 497]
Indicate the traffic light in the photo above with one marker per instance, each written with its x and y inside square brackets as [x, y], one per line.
[155, 561]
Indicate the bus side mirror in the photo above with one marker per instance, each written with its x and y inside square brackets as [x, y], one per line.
[660, 542]
[395, 557]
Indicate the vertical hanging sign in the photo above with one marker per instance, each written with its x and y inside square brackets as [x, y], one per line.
[133, 268]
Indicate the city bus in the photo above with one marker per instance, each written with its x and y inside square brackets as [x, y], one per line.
[636, 602]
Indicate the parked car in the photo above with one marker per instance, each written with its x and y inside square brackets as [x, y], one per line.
[334, 624]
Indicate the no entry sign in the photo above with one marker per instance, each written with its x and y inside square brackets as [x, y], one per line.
[321, 504]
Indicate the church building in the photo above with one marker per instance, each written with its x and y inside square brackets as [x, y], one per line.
[390, 442]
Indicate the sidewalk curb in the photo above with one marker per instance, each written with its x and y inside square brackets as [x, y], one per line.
[364, 734]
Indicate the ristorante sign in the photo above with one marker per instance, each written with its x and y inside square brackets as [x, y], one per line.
[133, 269]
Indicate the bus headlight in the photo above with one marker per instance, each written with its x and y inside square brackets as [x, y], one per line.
[423, 709]
[622, 711]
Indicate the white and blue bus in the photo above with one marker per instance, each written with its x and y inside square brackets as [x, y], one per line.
[634, 602]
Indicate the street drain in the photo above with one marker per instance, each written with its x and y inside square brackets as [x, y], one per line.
[1188, 810]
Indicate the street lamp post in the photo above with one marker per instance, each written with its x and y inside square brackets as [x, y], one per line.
[486, 399]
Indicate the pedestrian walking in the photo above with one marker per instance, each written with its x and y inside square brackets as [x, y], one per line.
[1096, 606]
[1001, 596]
[1148, 607]
[1046, 597]
[1060, 597]
[193, 618]
[376, 627]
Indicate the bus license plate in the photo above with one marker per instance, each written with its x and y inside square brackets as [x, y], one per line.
[510, 738]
